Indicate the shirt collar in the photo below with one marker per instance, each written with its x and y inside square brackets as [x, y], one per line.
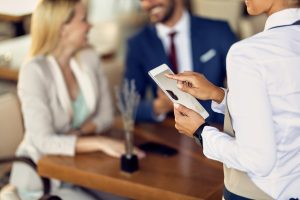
[283, 17]
[182, 26]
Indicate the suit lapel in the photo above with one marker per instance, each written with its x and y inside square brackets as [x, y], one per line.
[61, 87]
[157, 54]
[85, 83]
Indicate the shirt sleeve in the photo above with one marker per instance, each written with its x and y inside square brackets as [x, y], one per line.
[38, 118]
[253, 148]
[219, 107]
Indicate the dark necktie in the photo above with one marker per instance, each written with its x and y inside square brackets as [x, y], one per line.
[172, 53]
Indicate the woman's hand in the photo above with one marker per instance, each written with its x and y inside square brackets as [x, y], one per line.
[88, 127]
[110, 146]
[116, 148]
[197, 85]
[187, 121]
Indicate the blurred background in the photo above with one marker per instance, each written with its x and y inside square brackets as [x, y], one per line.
[113, 22]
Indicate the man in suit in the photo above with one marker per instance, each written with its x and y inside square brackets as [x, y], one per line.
[185, 43]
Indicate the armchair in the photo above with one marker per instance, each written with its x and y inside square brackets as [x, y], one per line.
[11, 133]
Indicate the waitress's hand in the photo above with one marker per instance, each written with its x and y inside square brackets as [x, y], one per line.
[197, 85]
[187, 121]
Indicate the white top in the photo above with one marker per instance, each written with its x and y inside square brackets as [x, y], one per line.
[47, 109]
[264, 102]
[181, 39]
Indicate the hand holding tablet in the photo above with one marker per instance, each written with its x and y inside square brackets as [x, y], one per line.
[169, 86]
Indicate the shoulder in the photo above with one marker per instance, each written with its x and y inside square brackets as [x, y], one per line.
[34, 62]
[217, 32]
[249, 54]
[265, 47]
[142, 35]
[35, 73]
[254, 47]
[36, 66]
[209, 24]
[242, 50]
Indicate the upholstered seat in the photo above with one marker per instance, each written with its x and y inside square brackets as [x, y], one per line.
[11, 134]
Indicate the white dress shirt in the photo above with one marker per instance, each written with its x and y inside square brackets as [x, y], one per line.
[264, 103]
[181, 39]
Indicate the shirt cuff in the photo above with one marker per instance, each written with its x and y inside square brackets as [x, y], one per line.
[220, 107]
[207, 134]
[159, 118]
[216, 144]
[69, 145]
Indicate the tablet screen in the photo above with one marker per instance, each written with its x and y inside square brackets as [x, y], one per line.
[169, 86]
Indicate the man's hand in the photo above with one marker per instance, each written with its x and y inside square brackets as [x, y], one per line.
[197, 85]
[162, 104]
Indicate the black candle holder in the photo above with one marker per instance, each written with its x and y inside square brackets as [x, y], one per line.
[129, 163]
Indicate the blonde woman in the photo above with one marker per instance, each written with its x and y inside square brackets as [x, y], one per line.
[63, 93]
[262, 161]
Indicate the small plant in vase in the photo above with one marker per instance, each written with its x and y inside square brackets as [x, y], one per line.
[127, 102]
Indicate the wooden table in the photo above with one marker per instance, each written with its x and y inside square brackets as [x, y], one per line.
[9, 73]
[188, 175]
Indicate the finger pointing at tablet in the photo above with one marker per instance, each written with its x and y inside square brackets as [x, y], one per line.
[197, 85]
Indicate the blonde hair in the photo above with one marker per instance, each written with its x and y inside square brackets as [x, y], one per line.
[46, 23]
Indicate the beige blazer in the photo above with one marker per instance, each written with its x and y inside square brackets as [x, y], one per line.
[47, 112]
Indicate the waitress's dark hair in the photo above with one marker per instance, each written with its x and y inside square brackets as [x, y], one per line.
[297, 3]
[294, 3]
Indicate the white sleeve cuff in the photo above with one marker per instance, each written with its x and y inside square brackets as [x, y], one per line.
[160, 117]
[60, 145]
[70, 145]
[215, 143]
[219, 107]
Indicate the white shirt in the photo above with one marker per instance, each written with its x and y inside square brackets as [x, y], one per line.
[181, 39]
[264, 102]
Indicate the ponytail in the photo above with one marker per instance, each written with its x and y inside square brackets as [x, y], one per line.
[295, 3]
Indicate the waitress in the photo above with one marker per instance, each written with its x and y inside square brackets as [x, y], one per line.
[263, 100]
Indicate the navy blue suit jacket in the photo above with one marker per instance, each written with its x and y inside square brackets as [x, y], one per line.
[145, 51]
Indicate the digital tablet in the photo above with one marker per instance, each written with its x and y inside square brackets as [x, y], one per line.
[169, 86]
